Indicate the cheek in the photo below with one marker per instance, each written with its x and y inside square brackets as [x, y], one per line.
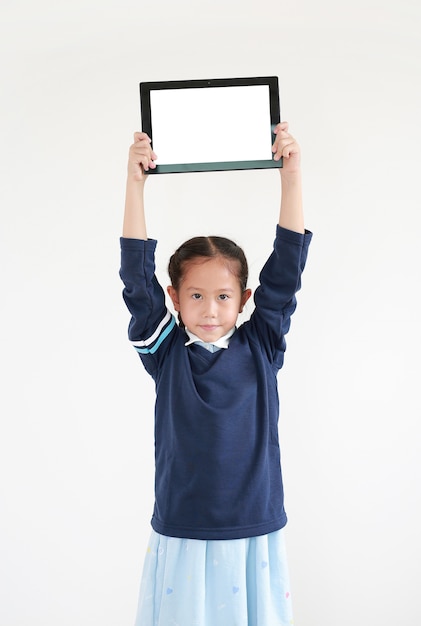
[186, 306]
[235, 309]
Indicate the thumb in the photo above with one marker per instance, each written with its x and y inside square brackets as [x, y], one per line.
[281, 126]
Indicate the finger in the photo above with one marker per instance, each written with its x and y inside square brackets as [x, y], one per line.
[281, 126]
[286, 147]
[281, 142]
[290, 149]
[148, 160]
[145, 162]
[282, 136]
[140, 149]
[141, 163]
[141, 145]
[140, 136]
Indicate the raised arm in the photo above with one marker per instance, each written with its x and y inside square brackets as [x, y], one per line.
[141, 158]
[291, 212]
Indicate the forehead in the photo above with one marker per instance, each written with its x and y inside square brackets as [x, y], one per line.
[216, 272]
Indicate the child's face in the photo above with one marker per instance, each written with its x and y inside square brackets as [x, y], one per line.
[209, 298]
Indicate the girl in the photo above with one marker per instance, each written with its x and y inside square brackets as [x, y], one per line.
[216, 556]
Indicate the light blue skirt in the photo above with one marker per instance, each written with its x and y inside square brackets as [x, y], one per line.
[236, 582]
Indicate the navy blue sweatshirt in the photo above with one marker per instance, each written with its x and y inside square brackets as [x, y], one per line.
[217, 457]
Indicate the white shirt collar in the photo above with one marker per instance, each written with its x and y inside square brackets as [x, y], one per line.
[222, 342]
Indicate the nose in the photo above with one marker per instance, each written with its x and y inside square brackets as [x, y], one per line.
[210, 308]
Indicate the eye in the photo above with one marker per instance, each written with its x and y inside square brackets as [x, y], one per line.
[223, 296]
[196, 296]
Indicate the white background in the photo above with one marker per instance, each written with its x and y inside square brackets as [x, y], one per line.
[76, 440]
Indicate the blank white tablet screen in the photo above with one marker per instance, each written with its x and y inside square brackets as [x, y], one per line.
[211, 124]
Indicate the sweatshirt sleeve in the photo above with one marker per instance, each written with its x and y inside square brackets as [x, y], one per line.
[275, 297]
[151, 323]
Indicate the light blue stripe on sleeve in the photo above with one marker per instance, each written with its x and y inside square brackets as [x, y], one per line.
[150, 340]
[161, 338]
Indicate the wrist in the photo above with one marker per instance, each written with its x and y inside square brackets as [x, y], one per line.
[135, 185]
[136, 176]
[293, 177]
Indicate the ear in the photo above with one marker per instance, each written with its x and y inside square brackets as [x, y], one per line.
[174, 297]
[244, 297]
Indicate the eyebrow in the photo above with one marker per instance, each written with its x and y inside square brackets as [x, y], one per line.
[202, 288]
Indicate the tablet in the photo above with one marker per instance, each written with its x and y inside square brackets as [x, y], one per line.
[211, 125]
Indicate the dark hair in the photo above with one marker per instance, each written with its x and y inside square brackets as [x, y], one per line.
[208, 248]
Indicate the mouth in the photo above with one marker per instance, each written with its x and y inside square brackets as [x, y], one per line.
[208, 328]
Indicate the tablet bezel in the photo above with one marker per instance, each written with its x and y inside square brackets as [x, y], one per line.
[274, 107]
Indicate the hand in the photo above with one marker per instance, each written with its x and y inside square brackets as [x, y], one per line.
[286, 147]
[141, 157]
